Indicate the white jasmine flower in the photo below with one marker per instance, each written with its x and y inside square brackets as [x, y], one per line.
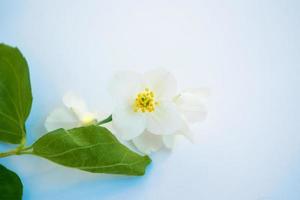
[145, 103]
[150, 112]
[73, 114]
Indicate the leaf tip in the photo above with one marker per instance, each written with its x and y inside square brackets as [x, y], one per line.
[141, 169]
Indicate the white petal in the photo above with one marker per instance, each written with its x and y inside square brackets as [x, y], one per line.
[169, 141]
[162, 82]
[148, 142]
[128, 124]
[61, 118]
[164, 120]
[186, 131]
[76, 104]
[101, 115]
[192, 104]
[73, 101]
[79, 108]
[124, 86]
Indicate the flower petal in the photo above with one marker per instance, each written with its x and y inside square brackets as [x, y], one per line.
[73, 101]
[192, 104]
[79, 108]
[162, 82]
[76, 104]
[164, 120]
[148, 142]
[124, 86]
[186, 131]
[169, 141]
[61, 118]
[128, 124]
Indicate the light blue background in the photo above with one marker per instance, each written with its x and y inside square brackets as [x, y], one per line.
[246, 52]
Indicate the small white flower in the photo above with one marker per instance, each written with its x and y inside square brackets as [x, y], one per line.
[73, 114]
[145, 102]
[149, 111]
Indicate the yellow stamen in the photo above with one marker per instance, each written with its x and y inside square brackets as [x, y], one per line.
[145, 101]
[88, 119]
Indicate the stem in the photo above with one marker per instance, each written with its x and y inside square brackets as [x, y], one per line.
[108, 119]
[21, 149]
[8, 153]
[22, 143]
[16, 151]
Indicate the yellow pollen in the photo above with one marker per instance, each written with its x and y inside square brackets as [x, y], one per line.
[88, 119]
[144, 101]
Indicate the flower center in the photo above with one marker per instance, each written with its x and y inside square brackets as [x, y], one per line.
[145, 101]
[88, 119]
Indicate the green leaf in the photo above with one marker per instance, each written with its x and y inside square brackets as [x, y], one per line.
[11, 187]
[91, 148]
[15, 94]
